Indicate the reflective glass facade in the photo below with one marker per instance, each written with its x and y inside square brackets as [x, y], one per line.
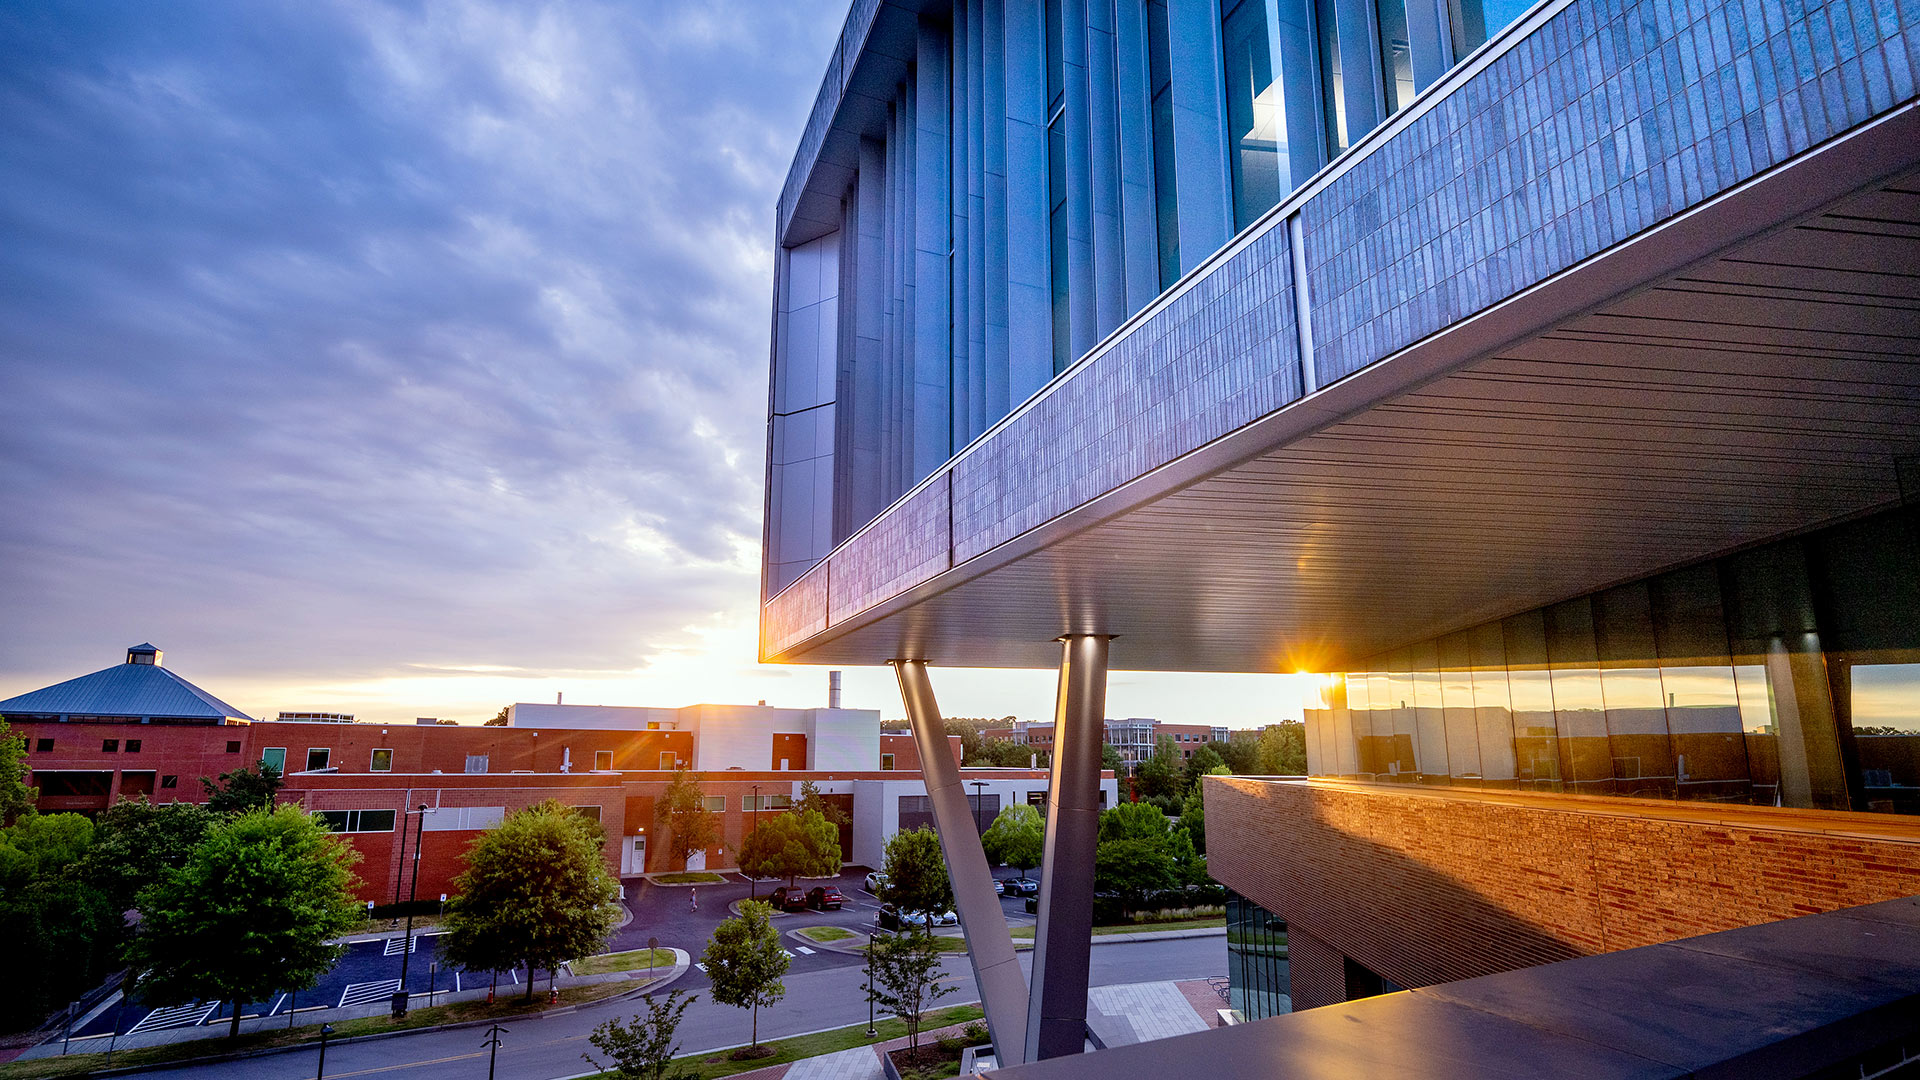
[1784, 675]
[1259, 981]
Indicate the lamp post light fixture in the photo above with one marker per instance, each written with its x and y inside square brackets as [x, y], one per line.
[871, 1032]
[413, 890]
[977, 785]
[326, 1030]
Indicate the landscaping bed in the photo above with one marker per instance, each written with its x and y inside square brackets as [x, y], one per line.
[632, 960]
[688, 877]
[936, 1058]
[826, 933]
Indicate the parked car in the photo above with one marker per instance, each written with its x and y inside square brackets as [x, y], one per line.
[946, 918]
[999, 887]
[825, 898]
[892, 918]
[788, 899]
[877, 882]
[1023, 887]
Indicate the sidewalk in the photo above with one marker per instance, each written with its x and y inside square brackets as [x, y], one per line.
[316, 1016]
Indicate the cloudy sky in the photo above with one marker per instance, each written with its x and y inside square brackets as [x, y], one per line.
[410, 359]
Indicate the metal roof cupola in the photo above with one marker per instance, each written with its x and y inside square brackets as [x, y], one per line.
[144, 653]
[138, 691]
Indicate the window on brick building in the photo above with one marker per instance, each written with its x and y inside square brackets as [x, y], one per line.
[43, 746]
[603, 761]
[476, 763]
[588, 812]
[317, 758]
[275, 756]
[109, 746]
[133, 746]
[382, 761]
[715, 803]
[886, 762]
[233, 746]
[351, 821]
[169, 781]
[668, 761]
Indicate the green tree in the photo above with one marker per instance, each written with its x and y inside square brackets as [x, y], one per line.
[1241, 752]
[1283, 749]
[498, 719]
[1017, 837]
[1134, 870]
[136, 842]
[903, 978]
[1161, 773]
[61, 935]
[1110, 759]
[745, 962]
[812, 799]
[250, 914]
[243, 790]
[1204, 760]
[643, 1047]
[691, 826]
[917, 872]
[799, 843]
[1193, 813]
[535, 891]
[16, 798]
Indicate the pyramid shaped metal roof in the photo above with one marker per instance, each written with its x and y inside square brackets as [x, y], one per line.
[125, 690]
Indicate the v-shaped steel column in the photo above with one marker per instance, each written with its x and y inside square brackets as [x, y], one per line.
[1062, 951]
[1003, 990]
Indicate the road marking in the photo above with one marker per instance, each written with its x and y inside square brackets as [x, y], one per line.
[276, 1004]
[366, 993]
[398, 945]
[456, 982]
[702, 967]
[176, 1016]
[789, 953]
[804, 951]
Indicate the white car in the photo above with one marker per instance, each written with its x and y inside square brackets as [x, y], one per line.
[876, 882]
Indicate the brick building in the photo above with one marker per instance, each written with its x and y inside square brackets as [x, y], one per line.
[139, 730]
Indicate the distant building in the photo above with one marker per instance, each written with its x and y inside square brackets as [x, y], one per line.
[139, 730]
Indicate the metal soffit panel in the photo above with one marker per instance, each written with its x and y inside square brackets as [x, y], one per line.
[1760, 394]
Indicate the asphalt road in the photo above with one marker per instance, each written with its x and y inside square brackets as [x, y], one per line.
[543, 1049]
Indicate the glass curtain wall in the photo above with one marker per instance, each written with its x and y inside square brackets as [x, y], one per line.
[1256, 111]
[1057, 188]
[1471, 22]
[1396, 53]
[1333, 92]
[1787, 675]
[1259, 980]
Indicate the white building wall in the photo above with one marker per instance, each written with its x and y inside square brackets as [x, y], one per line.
[739, 736]
[843, 739]
[592, 717]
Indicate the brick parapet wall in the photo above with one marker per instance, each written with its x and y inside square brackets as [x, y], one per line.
[1427, 887]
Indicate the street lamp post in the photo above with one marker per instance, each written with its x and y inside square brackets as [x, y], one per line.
[753, 883]
[871, 1032]
[400, 995]
[493, 1042]
[977, 785]
[321, 1072]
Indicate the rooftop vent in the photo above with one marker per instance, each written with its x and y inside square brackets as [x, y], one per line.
[144, 654]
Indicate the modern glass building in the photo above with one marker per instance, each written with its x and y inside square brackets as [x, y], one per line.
[1546, 378]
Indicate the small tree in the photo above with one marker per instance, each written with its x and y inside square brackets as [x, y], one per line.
[1111, 760]
[799, 843]
[745, 962]
[812, 799]
[243, 790]
[1193, 813]
[16, 798]
[251, 913]
[691, 826]
[1241, 752]
[1283, 749]
[1017, 837]
[1204, 761]
[917, 873]
[498, 719]
[904, 980]
[136, 843]
[643, 1048]
[536, 890]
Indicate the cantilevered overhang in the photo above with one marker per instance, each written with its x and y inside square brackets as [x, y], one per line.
[1560, 333]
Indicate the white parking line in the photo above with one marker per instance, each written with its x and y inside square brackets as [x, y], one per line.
[702, 967]
[175, 1016]
[803, 950]
[398, 945]
[366, 993]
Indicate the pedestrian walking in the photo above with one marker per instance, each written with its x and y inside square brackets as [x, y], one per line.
[693, 899]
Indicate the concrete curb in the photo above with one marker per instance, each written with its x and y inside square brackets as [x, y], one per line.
[682, 961]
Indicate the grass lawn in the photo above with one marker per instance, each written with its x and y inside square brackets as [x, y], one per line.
[508, 1007]
[1024, 933]
[709, 1066]
[689, 877]
[825, 933]
[387, 926]
[632, 960]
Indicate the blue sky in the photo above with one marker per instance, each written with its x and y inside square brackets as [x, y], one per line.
[407, 358]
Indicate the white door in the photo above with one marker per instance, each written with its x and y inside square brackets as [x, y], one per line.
[635, 861]
[697, 861]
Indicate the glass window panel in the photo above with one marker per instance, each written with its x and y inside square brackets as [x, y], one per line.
[1472, 22]
[1396, 54]
[1456, 692]
[1530, 688]
[1366, 752]
[1406, 730]
[1256, 113]
[1702, 697]
[1166, 202]
[1390, 730]
[1492, 707]
[1579, 711]
[1430, 717]
[1333, 93]
[1630, 684]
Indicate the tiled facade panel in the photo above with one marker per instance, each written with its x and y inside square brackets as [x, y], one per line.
[1426, 889]
[798, 612]
[1220, 355]
[900, 550]
[1615, 116]
[1317, 973]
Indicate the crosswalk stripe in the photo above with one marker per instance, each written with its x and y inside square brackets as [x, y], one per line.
[702, 967]
[804, 951]
[365, 993]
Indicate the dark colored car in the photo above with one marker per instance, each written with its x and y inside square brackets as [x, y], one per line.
[788, 899]
[825, 898]
[1023, 887]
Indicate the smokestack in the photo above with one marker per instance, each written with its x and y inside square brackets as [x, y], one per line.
[559, 697]
[833, 689]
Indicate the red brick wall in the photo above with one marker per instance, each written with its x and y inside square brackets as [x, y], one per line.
[1428, 887]
[906, 756]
